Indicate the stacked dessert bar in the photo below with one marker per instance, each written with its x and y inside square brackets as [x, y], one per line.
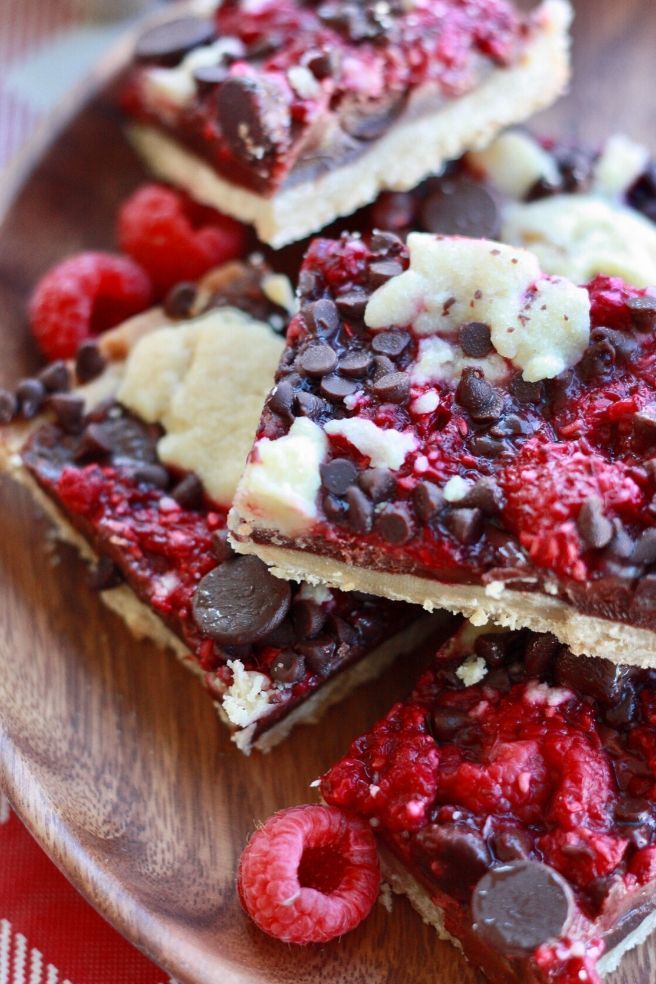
[462, 416]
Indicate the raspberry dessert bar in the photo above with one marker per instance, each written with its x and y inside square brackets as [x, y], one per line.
[137, 465]
[513, 796]
[288, 114]
[465, 432]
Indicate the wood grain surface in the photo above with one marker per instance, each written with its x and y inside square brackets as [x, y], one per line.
[109, 750]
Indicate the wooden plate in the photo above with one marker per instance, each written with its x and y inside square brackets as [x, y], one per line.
[110, 752]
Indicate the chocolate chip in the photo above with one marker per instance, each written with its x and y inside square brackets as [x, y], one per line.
[369, 119]
[643, 312]
[323, 64]
[69, 411]
[383, 270]
[519, 906]
[512, 844]
[188, 492]
[461, 208]
[595, 529]
[337, 475]
[352, 303]
[282, 637]
[322, 316]
[598, 678]
[89, 362]
[475, 339]
[240, 601]
[288, 667]
[180, 300]
[644, 551]
[390, 343]
[310, 284]
[446, 722]
[95, 442]
[221, 546]
[394, 210]
[382, 367]
[525, 392]
[393, 387]
[152, 473]
[342, 629]
[476, 395]
[462, 857]
[394, 523]
[484, 446]
[378, 483]
[254, 117]
[428, 500]
[465, 524]
[168, 43]
[642, 193]
[386, 243]
[575, 167]
[633, 810]
[56, 377]
[318, 360]
[309, 405]
[335, 388]
[495, 647]
[319, 655]
[30, 394]
[282, 399]
[540, 652]
[486, 495]
[207, 77]
[355, 364]
[644, 420]
[334, 508]
[359, 511]
[308, 618]
[8, 406]
[105, 575]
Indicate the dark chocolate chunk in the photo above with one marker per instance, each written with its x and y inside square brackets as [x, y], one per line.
[8, 406]
[394, 523]
[598, 678]
[595, 529]
[282, 399]
[254, 117]
[69, 411]
[221, 546]
[168, 43]
[89, 361]
[105, 575]
[240, 601]
[380, 271]
[180, 300]
[152, 473]
[30, 394]
[485, 495]
[525, 392]
[465, 524]
[475, 339]
[643, 312]
[461, 208]
[369, 119]
[446, 722]
[318, 360]
[390, 343]
[351, 303]
[319, 655]
[355, 364]
[56, 377]
[428, 500]
[476, 395]
[462, 855]
[308, 618]
[394, 210]
[520, 906]
[378, 483]
[188, 492]
[322, 316]
[394, 387]
[360, 510]
[512, 844]
[309, 405]
[644, 551]
[338, 475]
[335, 388]
[288, 667]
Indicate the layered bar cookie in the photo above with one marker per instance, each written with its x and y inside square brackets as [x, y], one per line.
[289, 114]
[452, 427]
[513, 795]
[137, 465]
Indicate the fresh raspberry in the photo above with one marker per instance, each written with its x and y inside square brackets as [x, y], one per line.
[174, 238]
[82, 296]
[309, 874]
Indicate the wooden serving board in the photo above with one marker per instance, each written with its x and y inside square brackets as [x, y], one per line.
[110, 751]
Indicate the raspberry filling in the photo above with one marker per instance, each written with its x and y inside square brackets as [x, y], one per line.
[255, 91]
[547, 758]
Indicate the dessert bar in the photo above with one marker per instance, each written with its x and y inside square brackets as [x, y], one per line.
[289, 114]
[513, 796]
[472, 434]
[137, 465]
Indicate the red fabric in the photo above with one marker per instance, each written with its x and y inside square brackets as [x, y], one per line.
[48, 933]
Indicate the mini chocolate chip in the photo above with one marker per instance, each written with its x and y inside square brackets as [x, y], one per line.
[598, 678]
[8, 406]
[168, 43]
[95, 442]
[540, 652]
[525, 392]
[334, 508]
[644, 551]
[394, 387]
[475, 339]
[69, 411]
[282, 399]
[30, 394]
[89, 361]
[319, 655]
[254, 116]
[519, 906]
[394, 523]
[105, 575]
[180, 300]
[465, 524]
[309, 405]
[308, 618]
[390, 343]
[318, 360]
[56, 377]
[461, 208]
[322, 316]
[512, 844]
[595, 529]
[337, 475]
[476, 395]
[288, 667]
[188, 492]
[239, 602]
[335, 388]
[383, 270]
[351, 304]
[643, 312]
[355, 364]
[486, 495]
[428, 499]
[360, 510]
[221, 546]
[446, 722]
[378, 483]
[152, 473]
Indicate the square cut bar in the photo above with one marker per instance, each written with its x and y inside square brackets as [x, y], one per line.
[139, 477]
[452, 427]
[287, 115]
[513, 796]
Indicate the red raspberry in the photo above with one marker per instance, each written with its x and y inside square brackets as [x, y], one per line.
[82, 296]
[309, 874]
[174, 238]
